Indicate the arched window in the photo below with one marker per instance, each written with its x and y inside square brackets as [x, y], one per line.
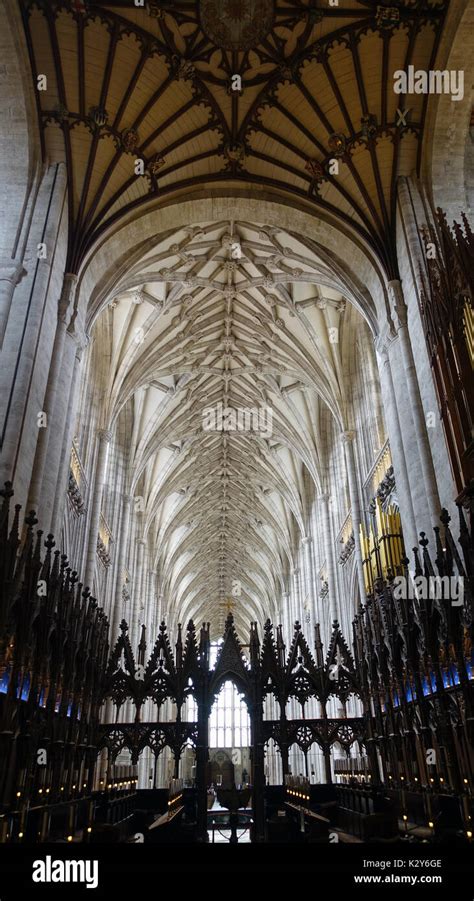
[229, 723]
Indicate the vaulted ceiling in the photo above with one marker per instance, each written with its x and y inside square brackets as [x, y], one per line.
[315, 119]
[287, 99]
[225, 315]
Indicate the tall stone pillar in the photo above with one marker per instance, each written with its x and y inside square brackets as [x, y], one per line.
[104, 438]
[138, 592]
[396, 447]
[286, 616]
[65, 459]
[294, 599]
[49, 443]
[329, 552]
[348, 441]
[151, 626]
[117, 609]
[400, 318]
[319, 544]
[160, 610]
[29, 337]
[308, 628]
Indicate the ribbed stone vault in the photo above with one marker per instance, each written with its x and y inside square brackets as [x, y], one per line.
[248, 317]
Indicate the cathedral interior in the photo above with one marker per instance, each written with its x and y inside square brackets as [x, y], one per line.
[236, 342]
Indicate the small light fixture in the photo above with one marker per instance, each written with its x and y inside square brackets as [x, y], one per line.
[20, 835]
[18, 794]
[89, 828]
[69, 838]
[469, 833]
[404, 818]
[431, 824]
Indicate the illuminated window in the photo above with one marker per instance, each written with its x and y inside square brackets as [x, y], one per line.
[229, 723]
[191, 710]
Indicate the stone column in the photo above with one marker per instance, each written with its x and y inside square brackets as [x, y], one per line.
[151, 626]
[294, 599]
[104, 438]
[316, 530]
[400, 318]
[308, 628]
[396, 446]
[49, 443]
[348, 441]
[11, 274]
[329, 552]
[160, 612]
[286, 616]
[65, 460]
[117, 609]
[142, 608]
[137, 592]
[26, 354]
[296, 616]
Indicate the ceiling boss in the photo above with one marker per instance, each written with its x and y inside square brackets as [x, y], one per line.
[236, 24]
